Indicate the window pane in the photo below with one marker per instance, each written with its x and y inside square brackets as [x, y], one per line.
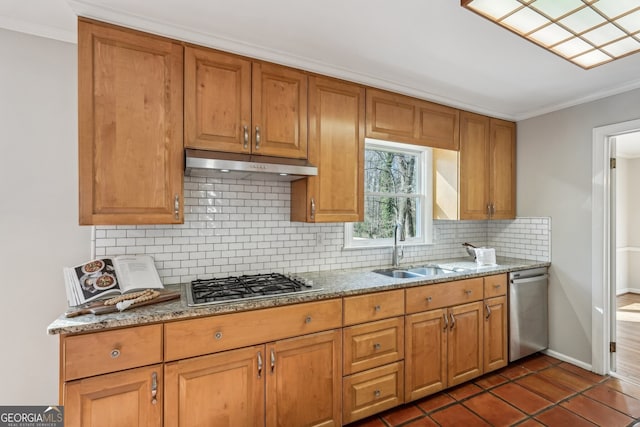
[382, 213]
[390, 172]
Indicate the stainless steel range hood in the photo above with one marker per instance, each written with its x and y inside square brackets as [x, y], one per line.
[217, 164]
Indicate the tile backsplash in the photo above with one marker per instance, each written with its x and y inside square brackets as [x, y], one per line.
[236, 227]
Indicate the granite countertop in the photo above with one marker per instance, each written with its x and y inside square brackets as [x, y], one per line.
[331, 284]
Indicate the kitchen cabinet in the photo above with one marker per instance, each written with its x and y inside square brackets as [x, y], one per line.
[130, 149]
[487, 168]
[336, 147]
[373, 354]
[128, 398]
[444, 344]
[394, 117]
[232, 388]
[495, 323]
[304, 381]
[237, 105]
[222, 389]
[291, 351]
[113, 377]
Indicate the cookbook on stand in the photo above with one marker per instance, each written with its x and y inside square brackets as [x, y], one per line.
[106, 277]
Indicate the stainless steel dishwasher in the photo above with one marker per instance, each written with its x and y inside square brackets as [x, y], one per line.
[528, 312]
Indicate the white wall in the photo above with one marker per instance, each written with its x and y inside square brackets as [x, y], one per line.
[554, 179]
[38, 209]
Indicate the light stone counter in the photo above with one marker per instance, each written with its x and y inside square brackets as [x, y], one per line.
[332, 284]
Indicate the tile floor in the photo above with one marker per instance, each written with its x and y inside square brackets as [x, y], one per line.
[536, 391]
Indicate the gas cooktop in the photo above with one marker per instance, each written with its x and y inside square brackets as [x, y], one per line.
[245, 287]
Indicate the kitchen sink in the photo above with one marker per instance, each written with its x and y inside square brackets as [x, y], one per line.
[426, 271]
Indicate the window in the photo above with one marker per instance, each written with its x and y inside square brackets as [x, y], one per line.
[397, 190]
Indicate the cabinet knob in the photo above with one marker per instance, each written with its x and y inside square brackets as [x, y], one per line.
[428, 299]
[307, 319]
[376, 308]
[376, 393]
[497, 286]
[218, 335]
[115, 353]
[377, 346]
[467, 291]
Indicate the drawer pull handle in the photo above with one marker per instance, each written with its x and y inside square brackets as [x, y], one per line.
[307, 319]
[497, 286]
[257, 137]
[154, 388]
[467, 291]
[259, 364]
[376, 308]
[429, 299]
[446, 323]
[115, 353]
[218, 335]
[273, 360]
[245, 128]
[377, 346]
[453, 321]
[376, 393]
[488, 311]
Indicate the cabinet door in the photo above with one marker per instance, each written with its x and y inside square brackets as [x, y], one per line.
[223, 389]
[503, 169]
[130, 398]
[279, 111]
[465, 343]
[438, 126]
[304, 381]
[130, 127]
[495, 334]
[217, 101]
[336, 147]
[474, 166]
[426, 353]
[390, 116]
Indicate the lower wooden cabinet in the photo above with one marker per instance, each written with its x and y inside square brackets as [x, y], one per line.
[373, 391]
[131, 398]
[443, 348]
[303, 381]
[222, 389]
[495, 334]
[297, 380]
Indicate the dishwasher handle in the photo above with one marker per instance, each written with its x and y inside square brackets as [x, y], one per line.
[530, 279]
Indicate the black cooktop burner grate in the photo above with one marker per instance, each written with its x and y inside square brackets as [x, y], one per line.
[225, 289]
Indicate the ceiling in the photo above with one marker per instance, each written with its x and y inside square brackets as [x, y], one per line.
[432, 49]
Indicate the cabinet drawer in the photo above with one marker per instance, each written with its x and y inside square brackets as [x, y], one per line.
[373, 344]
[444, 294]
[495, 285]
[110, 351]
[372, 391]
[376, 306]
[188, 338]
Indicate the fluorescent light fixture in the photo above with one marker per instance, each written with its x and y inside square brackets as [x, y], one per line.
[586, 32]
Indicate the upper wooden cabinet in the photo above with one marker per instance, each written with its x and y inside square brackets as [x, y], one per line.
[487, 167]
[336, 147]
[130, 127]
[399, 118]
[235, 105]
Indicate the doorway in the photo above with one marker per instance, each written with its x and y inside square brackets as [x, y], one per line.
[626, 284]
[604, 249]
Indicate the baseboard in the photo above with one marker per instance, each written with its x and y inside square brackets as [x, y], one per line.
[627, 291]
[568, 359]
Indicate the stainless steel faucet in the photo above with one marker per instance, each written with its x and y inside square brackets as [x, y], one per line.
[398, 252]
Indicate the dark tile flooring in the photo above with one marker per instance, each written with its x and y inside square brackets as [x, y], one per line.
[536, 391]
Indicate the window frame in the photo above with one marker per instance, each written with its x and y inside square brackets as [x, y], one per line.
[424, 193]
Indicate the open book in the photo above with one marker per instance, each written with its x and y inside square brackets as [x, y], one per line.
[106, 277]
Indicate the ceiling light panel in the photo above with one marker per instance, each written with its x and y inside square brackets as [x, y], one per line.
[586, 32]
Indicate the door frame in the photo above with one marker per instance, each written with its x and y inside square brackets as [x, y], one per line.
[601, 199]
